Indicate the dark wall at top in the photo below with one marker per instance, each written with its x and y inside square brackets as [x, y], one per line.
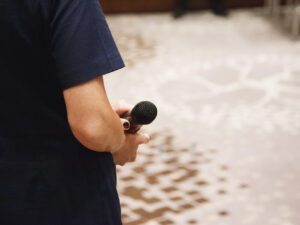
[122, 6]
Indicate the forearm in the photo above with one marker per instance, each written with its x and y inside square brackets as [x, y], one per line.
[102, 133]
[93, 121]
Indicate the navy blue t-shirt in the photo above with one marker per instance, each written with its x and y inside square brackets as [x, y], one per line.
[46, 176]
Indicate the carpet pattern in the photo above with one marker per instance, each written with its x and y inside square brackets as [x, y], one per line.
[167, 183]
[225, 146]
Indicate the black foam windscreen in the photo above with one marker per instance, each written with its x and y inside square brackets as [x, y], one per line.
[143, 113]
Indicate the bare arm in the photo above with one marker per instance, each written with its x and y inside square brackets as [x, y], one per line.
[93, 121]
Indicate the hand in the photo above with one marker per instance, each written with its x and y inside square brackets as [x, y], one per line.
[122, 107]
[127, 153]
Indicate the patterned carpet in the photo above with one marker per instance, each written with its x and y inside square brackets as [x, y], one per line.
[225, 147]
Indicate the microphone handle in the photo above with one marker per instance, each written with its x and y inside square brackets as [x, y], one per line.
[134, 127]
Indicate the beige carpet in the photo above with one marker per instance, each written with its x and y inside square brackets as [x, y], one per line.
[226, 143]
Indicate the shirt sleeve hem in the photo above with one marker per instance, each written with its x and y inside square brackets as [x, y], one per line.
[95, 70]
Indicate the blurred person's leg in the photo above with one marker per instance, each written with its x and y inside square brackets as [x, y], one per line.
[219, 7]
[180, 8]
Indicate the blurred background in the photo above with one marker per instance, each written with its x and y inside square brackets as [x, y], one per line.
[225, 76]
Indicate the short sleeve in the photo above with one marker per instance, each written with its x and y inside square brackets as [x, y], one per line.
[81, 43]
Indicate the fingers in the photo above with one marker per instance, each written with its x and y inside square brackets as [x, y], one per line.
[142, 138]
[122, 107]
[133, 158]
[124, 104]
[129, 152]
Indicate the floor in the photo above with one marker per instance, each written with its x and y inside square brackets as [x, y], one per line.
[225, 147]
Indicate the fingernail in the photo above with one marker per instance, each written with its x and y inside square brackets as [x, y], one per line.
[126, 125]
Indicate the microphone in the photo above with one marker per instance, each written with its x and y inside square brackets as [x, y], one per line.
[142, 113]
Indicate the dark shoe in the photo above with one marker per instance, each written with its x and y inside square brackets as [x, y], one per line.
[219, 7]
[220, 12]
[179, 13]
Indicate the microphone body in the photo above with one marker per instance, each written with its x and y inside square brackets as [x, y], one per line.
[142, 113]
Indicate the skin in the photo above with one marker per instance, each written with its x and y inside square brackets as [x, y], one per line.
[96, 124]
[128, 154]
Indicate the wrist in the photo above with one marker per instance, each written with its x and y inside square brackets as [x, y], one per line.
[121, 143]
